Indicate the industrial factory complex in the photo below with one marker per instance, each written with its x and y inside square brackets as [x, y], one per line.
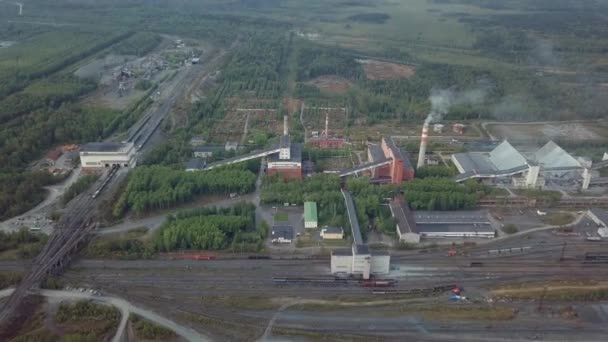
[506, 165]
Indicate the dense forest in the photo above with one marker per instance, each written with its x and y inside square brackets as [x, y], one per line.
[158, 187]
[436, 193]
[212, 229]
[20, 191]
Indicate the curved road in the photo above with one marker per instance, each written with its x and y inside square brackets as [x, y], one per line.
[125, 308]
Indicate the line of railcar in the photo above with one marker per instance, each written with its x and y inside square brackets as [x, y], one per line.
[333, 281]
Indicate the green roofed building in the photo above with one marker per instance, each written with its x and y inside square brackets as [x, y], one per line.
[310, 215]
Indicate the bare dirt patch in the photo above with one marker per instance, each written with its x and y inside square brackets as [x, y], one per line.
[331, 83]
[377, 70]
[292, 105]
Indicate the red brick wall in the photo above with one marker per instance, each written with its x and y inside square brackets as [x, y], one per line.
[287, 173]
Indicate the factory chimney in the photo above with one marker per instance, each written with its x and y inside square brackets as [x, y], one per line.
[424, 139]
[285, 126]
[326, 125]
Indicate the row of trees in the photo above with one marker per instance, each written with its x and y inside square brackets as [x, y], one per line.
[436, 171]
[212, 229]
[443, 194]
[157, 187]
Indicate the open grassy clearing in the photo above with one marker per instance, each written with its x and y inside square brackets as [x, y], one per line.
[148, 331]
[555, 290]
[281, 216]
[583, 131]
[558, 218]
[40, 52]
[409, 307]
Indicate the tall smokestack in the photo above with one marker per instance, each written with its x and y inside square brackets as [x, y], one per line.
[424, 139]
[326, 125]
[285, 126]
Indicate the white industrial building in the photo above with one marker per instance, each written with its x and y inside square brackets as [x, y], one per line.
[454, 224]
[107, 154]
[505, 164]
[359, 261]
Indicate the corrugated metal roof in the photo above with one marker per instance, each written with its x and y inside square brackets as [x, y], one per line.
[376, 152]
[551, 155]
[391, 144]
[454, 228]
[505, 156]
[477, 162]
[460, 216]
[310, 211]
[105, 147]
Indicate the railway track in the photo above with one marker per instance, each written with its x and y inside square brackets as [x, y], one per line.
[69, 234]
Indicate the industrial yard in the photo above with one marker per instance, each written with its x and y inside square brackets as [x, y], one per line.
[303, 171]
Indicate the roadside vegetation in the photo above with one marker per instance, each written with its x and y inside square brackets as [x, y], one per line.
[21, 244]
[87, 321]
[149, 331]
[81, 185]
[588, 291]
[130, 245]
[510, 229]
[8, 279]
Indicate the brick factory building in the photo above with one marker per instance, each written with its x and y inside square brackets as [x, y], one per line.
[399, 171]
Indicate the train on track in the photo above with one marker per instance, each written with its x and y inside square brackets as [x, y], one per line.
[596, 258]
[286, 281]
[105, 182]
[419, 291]
[193, 256]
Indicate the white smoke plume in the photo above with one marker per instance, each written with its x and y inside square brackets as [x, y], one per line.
[443, 99]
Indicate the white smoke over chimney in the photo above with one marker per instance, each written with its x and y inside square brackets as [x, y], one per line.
[441, 102]
[443, 99]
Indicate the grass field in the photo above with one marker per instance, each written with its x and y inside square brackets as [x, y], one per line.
[281, 217]
[43, 51]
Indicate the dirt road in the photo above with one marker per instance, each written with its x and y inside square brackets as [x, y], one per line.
[125, 308]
